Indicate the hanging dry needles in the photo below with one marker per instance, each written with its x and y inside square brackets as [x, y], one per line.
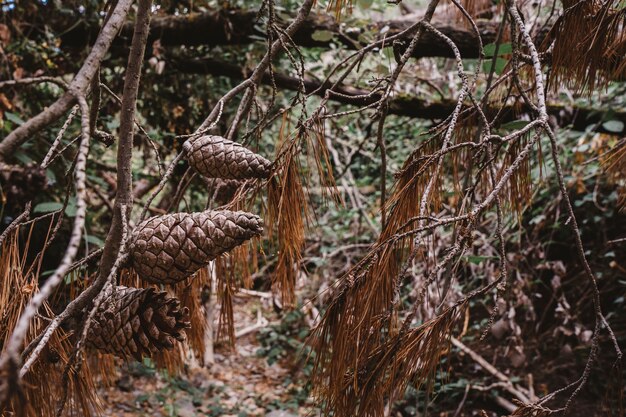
[380, 375]
[614, 164]
[288, 211]
[475, 8]
[340, 6]
[167, 249]
[31, 396]
[133, 322]
[520, 186]
[589, 44]
[190, 296]
[216, 157]
[530, 410]
[362, 310]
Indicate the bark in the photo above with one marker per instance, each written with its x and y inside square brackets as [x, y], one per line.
[577, 118]
[124, 196]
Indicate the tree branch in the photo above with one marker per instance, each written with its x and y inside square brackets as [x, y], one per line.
[402, 105]
[111, 252]
[11, 355]
[78, 87]
[260, 70]
[124, 196]
[234, 27]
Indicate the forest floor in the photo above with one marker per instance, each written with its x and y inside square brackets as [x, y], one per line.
[240, 383]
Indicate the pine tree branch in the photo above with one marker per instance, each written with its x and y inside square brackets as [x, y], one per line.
[11, 356]
[124, 196]
[258, 76]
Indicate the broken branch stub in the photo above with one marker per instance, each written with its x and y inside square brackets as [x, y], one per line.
[167, 249]
[223, 190]
[216, 157]
[133, 322]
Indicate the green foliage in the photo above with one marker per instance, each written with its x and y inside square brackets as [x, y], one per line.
[284, 340]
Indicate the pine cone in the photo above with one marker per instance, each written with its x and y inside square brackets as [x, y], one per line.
[167, 249]
[216, 157]
[137, 322]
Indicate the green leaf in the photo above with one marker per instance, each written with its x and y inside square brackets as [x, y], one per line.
[113, 124]
[70, 210]
[98, 180]
[515, 125]
[14, 118]
[615, 126]
[51, 176]
[499, 66]
[22, 157]
[503, 49]
[475, 259]
[47, 207]
[365, 4]
[322, 35]
[94, 240]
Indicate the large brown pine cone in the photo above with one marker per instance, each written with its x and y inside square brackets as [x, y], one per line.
[137, 322]
[216, 157]
[167, 249]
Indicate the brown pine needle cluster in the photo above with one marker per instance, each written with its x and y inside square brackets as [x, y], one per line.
[380, 373]
[339, 7]
[287, 214]
[589, 45]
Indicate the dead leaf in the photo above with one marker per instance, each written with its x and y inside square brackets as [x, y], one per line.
[5, 103]
[517, 357]
[5, 34]
[18, 74]
[500, 328]
[28, 288]
[178, 111]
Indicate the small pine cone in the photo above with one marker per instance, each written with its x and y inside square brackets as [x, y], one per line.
[167, 249]
[137, 322]
[216, 157]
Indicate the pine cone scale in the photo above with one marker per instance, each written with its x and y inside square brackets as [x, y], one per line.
[193, 241]
[217, 157]
[135, 322]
